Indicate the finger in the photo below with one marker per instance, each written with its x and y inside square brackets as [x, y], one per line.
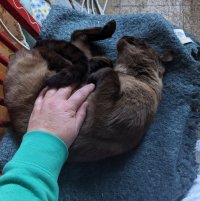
[77, 99]
[50, 92]
[66, 92]
[39, 99]
[80, 115]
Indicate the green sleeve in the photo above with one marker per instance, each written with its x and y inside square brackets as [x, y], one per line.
[33, 171]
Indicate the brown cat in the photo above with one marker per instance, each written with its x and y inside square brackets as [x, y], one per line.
[120, 109]
[50, 63]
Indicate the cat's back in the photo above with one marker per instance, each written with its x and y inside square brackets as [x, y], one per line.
[112, 128]
[138, 100]
[27, 71]
[134, 111]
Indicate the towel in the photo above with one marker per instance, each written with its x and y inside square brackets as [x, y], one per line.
[163, 167]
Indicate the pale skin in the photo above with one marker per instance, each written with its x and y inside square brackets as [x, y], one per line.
[61, 112]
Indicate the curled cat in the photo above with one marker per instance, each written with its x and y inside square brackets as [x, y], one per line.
[53, 63]
[120, 109]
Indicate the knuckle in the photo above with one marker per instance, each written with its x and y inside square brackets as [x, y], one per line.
[82, 114]
[66, 89]
[69, 108]
[71, 112]
[36, 108]
[36, 104]
[51, 104]
[37, 101]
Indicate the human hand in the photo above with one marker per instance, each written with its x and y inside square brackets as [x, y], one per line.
[60, 112]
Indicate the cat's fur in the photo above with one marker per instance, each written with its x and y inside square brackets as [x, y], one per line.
[120, 109]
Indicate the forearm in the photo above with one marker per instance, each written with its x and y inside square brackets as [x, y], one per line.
[33, 172]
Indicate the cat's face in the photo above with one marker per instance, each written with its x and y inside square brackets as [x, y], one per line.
[131, 46]
[134, 53]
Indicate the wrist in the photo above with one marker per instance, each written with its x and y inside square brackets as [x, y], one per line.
[43, 150]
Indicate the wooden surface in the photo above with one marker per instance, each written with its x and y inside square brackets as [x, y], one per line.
[7, 47]
[3, 111]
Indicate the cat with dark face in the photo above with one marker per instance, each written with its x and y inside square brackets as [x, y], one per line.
[120, 109]
[52, 63]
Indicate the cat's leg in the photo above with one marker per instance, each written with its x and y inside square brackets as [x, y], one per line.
[54, 50]
[96, 33]
[55, 61]
[101, 69]
[64, 78]
[107, 84]
[68, 61]
[83, 38]
[98, 62]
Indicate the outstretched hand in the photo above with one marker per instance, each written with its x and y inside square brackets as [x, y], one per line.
[60, 112]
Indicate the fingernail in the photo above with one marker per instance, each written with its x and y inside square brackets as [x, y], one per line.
[92, 86]
[85, 104]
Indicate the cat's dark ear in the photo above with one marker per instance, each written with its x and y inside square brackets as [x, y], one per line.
[166, 57]
[109, 28]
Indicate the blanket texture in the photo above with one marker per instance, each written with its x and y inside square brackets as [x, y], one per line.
[163, 167]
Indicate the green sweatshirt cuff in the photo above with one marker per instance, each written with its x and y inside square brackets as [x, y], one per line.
[44, 150]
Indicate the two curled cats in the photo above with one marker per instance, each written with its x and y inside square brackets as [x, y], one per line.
[123, 104]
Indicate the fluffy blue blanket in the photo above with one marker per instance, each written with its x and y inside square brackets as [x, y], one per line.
[163, 167]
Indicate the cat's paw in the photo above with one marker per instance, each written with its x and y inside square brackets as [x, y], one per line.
[99, 76]
[99, 62]
[61, 79]
[64, 78]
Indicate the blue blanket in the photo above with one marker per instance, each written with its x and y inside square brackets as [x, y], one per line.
[163, 167]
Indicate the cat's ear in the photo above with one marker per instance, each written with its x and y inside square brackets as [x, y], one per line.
[161, 71]
[166, 57]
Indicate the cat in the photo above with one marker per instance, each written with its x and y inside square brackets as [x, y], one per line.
[52, 63]
[123, 104]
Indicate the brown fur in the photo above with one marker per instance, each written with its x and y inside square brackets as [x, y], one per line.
[123, 104]
[120, 109]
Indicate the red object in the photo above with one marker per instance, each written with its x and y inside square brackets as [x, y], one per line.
[1, 79]
[2, 102]
[4, 123]
[15, 8]
[4, 60]
[7, 42]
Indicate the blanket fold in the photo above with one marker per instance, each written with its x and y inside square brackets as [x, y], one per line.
[163, 167]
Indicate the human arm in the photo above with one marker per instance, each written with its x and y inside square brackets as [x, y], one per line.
[55, 121]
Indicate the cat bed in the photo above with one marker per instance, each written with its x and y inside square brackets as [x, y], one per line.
[163, 167]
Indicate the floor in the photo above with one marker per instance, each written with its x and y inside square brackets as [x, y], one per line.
[183, 13]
